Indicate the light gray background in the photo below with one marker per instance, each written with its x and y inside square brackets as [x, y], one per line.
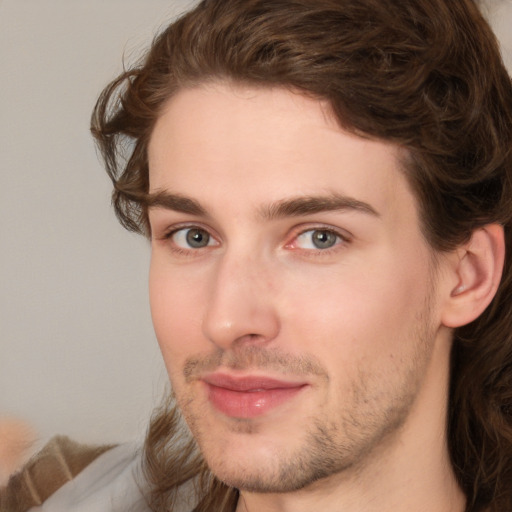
[77, 352]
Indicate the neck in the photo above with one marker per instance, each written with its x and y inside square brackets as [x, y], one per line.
[411, 471]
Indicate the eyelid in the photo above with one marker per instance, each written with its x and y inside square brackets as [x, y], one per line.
[166, 238]
[165, 235]
[168, 231]
[344, 236]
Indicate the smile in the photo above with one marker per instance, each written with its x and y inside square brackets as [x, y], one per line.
[249, 397]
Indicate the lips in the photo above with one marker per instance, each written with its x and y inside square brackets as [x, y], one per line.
[250, 396]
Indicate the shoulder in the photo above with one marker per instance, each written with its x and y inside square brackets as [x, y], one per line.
[72, 477]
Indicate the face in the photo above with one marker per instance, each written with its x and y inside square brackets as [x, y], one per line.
[291, 289]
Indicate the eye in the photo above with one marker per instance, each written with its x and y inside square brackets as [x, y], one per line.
[317, 239]
[192, 238]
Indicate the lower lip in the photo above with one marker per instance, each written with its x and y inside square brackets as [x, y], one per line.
[249, 404]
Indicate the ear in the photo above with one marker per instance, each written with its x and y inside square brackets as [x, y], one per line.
[477, 270]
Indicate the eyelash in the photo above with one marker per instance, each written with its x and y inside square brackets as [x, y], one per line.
[343, 239]
[168, 235]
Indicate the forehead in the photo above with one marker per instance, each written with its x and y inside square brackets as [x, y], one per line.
[253, 145]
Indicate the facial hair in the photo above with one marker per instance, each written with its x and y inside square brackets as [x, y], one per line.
[341, 444]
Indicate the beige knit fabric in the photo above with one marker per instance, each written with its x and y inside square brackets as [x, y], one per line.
[57, 463]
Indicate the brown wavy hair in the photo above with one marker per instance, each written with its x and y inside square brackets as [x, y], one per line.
[424, 74]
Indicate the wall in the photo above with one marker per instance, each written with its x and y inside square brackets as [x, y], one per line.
[77, 350]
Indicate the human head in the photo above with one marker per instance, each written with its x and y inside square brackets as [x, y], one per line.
[425, 75]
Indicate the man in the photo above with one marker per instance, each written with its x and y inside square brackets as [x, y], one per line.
[327, 190]
[303, 320]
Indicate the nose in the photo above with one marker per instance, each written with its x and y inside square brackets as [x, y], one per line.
[241, 306]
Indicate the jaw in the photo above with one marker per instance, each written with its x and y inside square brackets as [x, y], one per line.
[406, 464]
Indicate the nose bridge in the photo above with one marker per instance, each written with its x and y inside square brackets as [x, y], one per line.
[241, 304]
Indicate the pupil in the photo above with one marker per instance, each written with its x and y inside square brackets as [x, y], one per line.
[197, 238]
[324, 239]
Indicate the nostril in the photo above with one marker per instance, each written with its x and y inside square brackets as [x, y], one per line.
[253, 342]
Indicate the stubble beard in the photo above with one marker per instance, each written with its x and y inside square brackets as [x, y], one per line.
[342, 446]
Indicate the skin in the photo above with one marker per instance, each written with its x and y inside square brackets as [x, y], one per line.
[17, 440]
[359, 321]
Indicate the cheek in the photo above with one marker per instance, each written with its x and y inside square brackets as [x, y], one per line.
[360, 313]
[176, 314]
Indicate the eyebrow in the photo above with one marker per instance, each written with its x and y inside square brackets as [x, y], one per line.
[294, 207]
[175, 202]
[308, 205]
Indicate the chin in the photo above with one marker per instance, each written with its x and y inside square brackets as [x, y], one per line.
[271, 474]
[262, 463]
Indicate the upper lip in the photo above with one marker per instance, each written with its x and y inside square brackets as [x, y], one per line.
[249, 383]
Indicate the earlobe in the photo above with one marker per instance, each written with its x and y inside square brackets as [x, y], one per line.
[478, 272]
